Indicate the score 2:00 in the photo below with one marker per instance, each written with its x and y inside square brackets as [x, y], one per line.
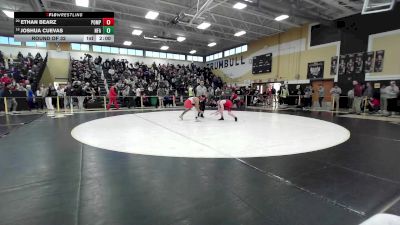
[104, 38]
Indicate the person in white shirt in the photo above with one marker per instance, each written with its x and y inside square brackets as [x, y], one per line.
[138, 96]
[335, 94]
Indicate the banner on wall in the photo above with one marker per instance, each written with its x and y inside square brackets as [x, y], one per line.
[379, 56]
[342, 65]
[359, 62]
[368, 62]
[315, 70]
[334, 65]
[262, 63]
[350, 64]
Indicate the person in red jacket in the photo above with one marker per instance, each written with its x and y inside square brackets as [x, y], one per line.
[5, 80]
[113, 98]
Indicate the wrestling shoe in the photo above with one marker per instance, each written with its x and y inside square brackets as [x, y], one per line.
[221, 118]
[236, 119]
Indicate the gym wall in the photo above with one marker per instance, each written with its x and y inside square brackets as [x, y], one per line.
[291, 54]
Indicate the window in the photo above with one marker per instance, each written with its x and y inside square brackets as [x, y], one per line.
[232, 51]
[244, 48]
[220, 55]
[84, 47]
[176, 56]
[114, 50]
[211, 57]
[182, 57]
[190, 58]
[156, 54]
[105, 49]
[149, 54]
[96, 48]
[123, 51]
[30, 44]
[238, 50]
[74, 46]
[13, 42]
[3, 40]
[226, 53]
[131, 52]
[43, 45]
[139, 52]
[163, 55]
[170, 56]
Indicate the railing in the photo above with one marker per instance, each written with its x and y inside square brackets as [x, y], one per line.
[41, 71]
[68, 103]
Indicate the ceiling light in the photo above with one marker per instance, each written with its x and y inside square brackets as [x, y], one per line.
[82, 3]
[240, 33]
[204, 25]
[9, 13]
[180, 39]
[137, 32]
[281, 17]
[192, 52]
[164, 47]
[239, 5]
[128, 43]
[151, 15]
[212, 44]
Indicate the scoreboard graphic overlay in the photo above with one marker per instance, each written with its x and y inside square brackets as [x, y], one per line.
[64, 26]
[262, 64]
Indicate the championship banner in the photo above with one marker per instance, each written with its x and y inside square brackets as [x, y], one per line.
[359, 62]
[350, 64]
[379, 56]
[368, 62]
[315, 70]
[334, 65]
[342, 65]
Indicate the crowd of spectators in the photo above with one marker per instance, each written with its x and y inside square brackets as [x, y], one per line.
[133, 81]
[20, 74]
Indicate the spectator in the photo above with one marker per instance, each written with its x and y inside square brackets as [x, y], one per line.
[11, 102]
[284, 93]
[190, 91]
[392, 93]
[373, 105]
[307, 97]
[113, 98]
[162, 93]
[383, 100]
[30, 96]
[358, 90]
[350, 98]
[67, 96]
[47, 98]
[336, 91]
[126, 93]
[321, 95]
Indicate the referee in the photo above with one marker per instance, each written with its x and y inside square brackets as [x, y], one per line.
[202, 90]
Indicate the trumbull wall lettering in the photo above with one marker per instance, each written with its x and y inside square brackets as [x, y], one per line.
[224, 63]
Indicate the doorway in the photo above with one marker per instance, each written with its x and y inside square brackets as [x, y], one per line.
[327, 84]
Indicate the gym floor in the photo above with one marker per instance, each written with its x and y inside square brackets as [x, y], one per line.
[47, 177]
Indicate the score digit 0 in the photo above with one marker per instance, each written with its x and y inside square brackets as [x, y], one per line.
[108, 21]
